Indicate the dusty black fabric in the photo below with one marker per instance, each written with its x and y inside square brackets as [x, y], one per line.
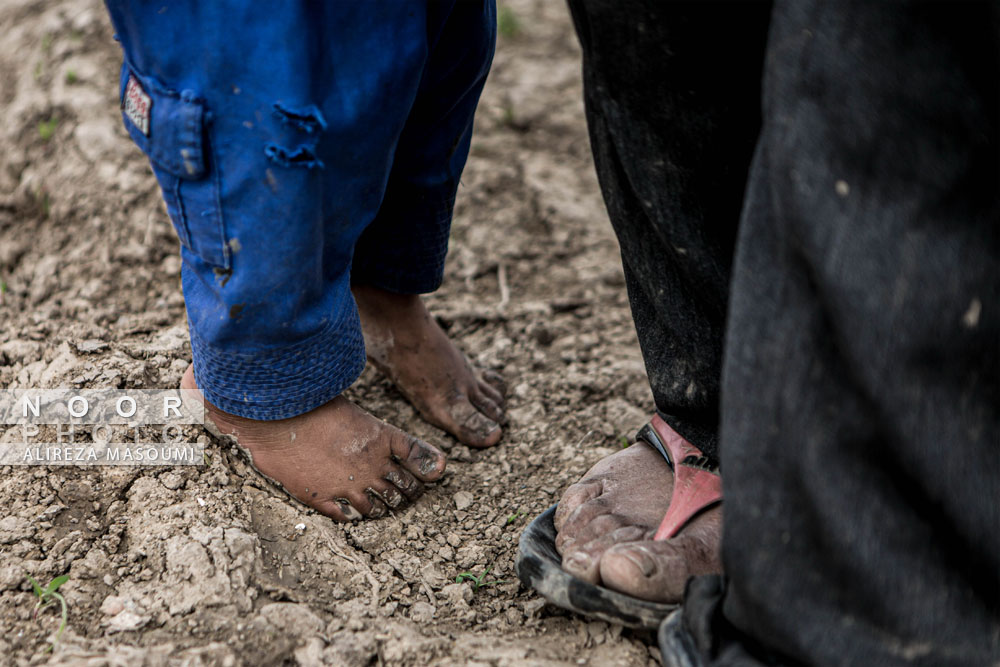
[860, 401]
[673, 119]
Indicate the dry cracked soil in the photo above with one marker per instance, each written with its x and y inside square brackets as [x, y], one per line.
[211, 564]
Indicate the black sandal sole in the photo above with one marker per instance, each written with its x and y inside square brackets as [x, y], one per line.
[539, 567]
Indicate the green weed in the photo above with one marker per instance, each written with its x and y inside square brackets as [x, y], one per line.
[480, 581]
[47, 128]
[624, 441]
[508, 25]
[513, 517]
[71, 77]
[49, 596]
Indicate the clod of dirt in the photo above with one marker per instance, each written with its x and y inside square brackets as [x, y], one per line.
[463, 499]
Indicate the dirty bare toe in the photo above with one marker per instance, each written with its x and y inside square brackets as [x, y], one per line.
[658, 571]
[337, 459]
[405, 343]
[618, 505]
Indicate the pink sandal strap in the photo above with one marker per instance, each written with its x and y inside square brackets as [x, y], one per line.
[697, 484]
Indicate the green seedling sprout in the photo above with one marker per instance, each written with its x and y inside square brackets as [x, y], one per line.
[508, 25]
[49, 596]
[47, 128]
[478, 582]
[71, 77]
[513, 517]
[624, 441]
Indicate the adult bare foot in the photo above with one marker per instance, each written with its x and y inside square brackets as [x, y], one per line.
[337, 459]
[605, 525]
[405, 343]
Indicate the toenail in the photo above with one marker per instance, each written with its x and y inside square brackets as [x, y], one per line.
[347, 508]
[405, 484]
[393, 498]
[641, 560]
[428, 464]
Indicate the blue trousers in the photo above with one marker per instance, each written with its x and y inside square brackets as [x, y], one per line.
[300, 147]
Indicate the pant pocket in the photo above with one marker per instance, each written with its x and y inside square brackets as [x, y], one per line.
[171, 129]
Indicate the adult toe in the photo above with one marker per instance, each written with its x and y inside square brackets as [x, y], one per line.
[583, 561]
[655, 571]
[575, 496]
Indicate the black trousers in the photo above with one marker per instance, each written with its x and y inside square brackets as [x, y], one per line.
[807, 197]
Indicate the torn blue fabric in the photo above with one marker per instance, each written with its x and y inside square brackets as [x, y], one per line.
[299, 151]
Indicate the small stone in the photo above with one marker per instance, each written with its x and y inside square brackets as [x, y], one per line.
[532, 607]
[11, 576]
[300, 527]
[463, 499]
[422, 612]
[91, 345]
[125, 621]
[171, 480]
[14, 529]
[112, 605]
[455, 593]
[596, 631]
[311, 653]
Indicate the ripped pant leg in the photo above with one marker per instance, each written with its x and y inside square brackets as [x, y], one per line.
[272, 135]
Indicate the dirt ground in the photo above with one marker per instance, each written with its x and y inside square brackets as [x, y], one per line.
[204, 565]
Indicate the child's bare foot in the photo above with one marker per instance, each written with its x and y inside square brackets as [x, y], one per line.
[337, 459]
[606, 521]
[405, 343]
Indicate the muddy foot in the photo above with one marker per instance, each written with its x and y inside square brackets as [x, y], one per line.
[605, 525]
[405, 343]
[337, 459]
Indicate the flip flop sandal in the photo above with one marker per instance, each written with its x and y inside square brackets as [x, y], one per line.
[697, 486]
